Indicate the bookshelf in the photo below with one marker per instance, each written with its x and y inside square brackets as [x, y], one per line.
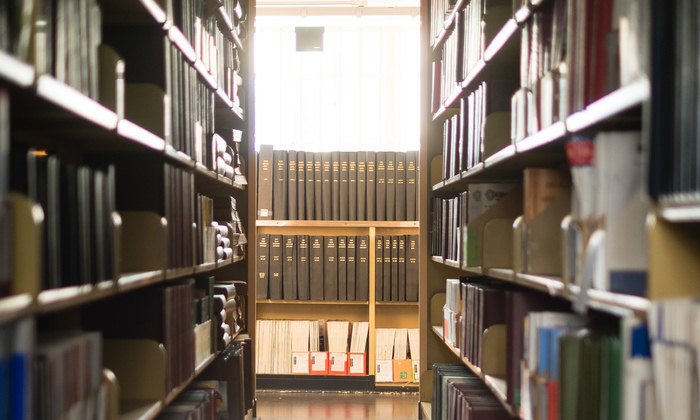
[378, 314]
[128, 90]
[504, 251]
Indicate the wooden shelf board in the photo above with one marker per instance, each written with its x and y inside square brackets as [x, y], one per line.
[523, 14]
[552, 285]
[16, 71]
[178, 156]
[66, 297]
[613, 303]
[135, 132]
[75, 102]
[497, 386]
[336, 224]
[240, 182]
[500, 40]
[173, 273]
[129, 281]
[506, 274]
[204, 172]
[552, 133]
[155, 10]
[382, 303]
[506, 153]
[448, 25]
[182, 43]
[473, 75]
[426, 408]
[436, 259]
[203, 268]
[616, 102]
[15, 307]
[226, 20]
[139, 409]
[311, 302]
[680, 212]
[396, 385]
[199, 369]
[438, 186]
[452, 263]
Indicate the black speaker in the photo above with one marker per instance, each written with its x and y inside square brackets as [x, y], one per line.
[309, 38]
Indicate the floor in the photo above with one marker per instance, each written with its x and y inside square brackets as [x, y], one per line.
[332, 405]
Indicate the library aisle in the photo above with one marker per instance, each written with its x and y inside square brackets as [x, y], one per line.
[284, 405]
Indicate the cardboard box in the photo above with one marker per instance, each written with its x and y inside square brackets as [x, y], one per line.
[300, 363]
[402, 370]
[357, 364]
[318, 364]
[384, 371]
[338, 364]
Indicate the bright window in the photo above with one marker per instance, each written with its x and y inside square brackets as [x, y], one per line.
[360, 93]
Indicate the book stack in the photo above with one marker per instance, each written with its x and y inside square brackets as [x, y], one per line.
[396, 279]
[163, 314]
[170, 193]
[231, 375]
[482, 306]
[79, 210]
[303, 267]
[65, 46]
[17, 346]
[396, 355]
[438, 13]
[312, 347]
[610, 207]
[298, 185]
[452, 216]
[571, 368]
[68, 375]
[458, 394]
[452, 313]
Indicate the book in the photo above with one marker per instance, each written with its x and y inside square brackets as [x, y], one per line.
[344, 188]
[335, 186]
[362, 270]
[327, 199]
[379, 268]
[394, 268]
[386, 269]
[280, 185]
[352, 186]
[402, 269]
[301, 186]
[276, 262]
[330, 268]
[381, 187]
[361, 186]
[262, 266]
[541, 187]
[303, 267]
[371, 186]
[412, 268]
[342, 245]
[351, 252]
[390, 180]
[316, 268]
[401, 188]
[310, 189]
[318, 186]
[289, 268]
[292, 183]
[411, 184]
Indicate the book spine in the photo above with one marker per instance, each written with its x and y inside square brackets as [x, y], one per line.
[289, 268]
[327, 200]
[301, 186]
[292, 185]
[395, 268]
[352, 186]
[335, 186]
[303, 267]
[390, 186]
[316, 265]
[318, 187]
[386, 269]
[361, 185]
[362, 272]
[344, 196]
[371, 186]
[380, 199]
[310, 187]
[401, 202]
[330, 268]
[342, 268]
[279, 189]
[402, 269]
[379, 268]
[351, 271]
[412, 268]
[411, 185]
[275, 278]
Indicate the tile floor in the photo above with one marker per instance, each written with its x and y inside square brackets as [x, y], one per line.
[297, 405]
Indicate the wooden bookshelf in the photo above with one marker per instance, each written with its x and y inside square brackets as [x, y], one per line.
[626, 107]
[66, 114]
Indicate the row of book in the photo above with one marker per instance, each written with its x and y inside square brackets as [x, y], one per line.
[79, 208]
[397, 355]
[479, 130]
[311, 267]
[678, 171]
[311, 347]
[573, 53]
[59, 38]
[458, 394]
[396, 268]
[475, 25]
[17, 346]
[220, 232]
[223, 390]
[452, 216]
[164, 314]
[297, 185]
